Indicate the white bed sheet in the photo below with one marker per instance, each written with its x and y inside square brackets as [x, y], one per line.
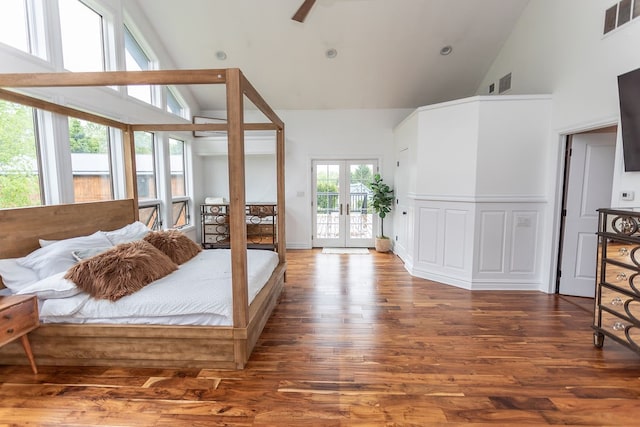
[199, 293]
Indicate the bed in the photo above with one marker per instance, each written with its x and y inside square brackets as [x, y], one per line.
[221, 344]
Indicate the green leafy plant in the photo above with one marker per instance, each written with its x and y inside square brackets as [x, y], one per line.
[382, 200]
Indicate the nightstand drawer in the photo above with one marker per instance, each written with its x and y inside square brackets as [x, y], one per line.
[18, 319]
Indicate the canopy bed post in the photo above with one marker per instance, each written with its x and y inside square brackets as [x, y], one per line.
[280, 154]
[235, 141]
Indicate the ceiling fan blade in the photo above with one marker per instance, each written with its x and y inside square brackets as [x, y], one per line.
[303, 10]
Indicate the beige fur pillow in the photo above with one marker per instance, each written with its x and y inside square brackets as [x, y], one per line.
[121, 270]
[174, 244]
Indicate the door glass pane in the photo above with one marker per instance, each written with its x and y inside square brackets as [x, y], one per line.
[360, 211]
[327, 201]
[90, 161]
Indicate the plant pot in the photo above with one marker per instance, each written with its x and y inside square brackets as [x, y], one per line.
[383, 244]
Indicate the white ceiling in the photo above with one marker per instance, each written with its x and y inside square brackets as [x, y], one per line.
[388, 50]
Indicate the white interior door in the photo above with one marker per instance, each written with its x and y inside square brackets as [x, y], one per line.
[588, 188]
[342, 214]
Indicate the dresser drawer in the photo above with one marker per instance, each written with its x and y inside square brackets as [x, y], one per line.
[216, 229]
[216, 238]
[620, 328]
[18, 319]
[620, 303]
[253, 229]
[626, 278]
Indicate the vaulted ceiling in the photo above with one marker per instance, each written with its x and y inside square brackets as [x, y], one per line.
[387, 51]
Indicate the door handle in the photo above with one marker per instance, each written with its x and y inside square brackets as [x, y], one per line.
[348, 213]
[340, 208]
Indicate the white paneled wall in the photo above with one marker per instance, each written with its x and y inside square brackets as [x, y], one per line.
[478, 211]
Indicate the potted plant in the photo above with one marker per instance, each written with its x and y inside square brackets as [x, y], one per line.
[382, 203]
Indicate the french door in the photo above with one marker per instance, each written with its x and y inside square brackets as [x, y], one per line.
[342, 214]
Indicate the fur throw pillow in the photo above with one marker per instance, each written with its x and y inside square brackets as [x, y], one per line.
[121, 270]
[175, 244]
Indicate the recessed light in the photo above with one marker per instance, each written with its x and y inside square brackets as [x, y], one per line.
[331, 53]
[446, 50]
[221, 55]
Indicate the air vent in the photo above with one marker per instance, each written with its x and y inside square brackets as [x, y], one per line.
[620, 14]
[504, 84]
[624, 12]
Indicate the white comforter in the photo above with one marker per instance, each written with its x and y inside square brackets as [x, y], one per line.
[199, 291]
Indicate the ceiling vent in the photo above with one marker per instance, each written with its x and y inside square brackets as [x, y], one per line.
[504, 84]
[620, 13]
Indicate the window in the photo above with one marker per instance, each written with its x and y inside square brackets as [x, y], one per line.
[179, 200]
[148, 203]
[82, 43]
[14, 29]
[90, 161]
[20, 177]
[137, 60]
[173, 105]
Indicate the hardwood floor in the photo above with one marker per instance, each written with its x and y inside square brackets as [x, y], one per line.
[358, 341]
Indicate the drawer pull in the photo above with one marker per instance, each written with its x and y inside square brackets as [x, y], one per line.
[617, 301]
[10, 330]
[623, 251]
[618, 326]
[621, 276]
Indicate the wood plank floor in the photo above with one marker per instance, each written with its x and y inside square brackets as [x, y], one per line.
[358, 341]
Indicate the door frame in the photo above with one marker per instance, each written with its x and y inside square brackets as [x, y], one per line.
[347, 242]
[561, 157]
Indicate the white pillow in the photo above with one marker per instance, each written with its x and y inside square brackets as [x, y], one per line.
[55, 286]
[81, 254]
[134, 231]
[16, 276]
[57, 256]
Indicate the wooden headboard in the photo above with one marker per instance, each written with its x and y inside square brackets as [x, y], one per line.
[21, 228]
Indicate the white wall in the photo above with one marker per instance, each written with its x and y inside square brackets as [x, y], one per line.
[557, 47]
[260, 178]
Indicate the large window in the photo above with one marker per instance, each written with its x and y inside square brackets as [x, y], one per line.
[137, 60]
[82, 41]
[19, 161]
[14, 29]
[179, 200]
[90, 161]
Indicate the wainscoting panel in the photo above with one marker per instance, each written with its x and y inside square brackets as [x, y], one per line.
[491, 245]
[524, 244]
[428, 226]
[454, 238]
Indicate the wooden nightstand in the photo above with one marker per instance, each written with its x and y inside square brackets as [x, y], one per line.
[18, 317]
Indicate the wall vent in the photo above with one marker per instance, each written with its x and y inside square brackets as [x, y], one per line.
[504, 84]
[620, 14]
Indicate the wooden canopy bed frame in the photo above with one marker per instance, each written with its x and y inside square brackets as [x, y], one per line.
[218, 347]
